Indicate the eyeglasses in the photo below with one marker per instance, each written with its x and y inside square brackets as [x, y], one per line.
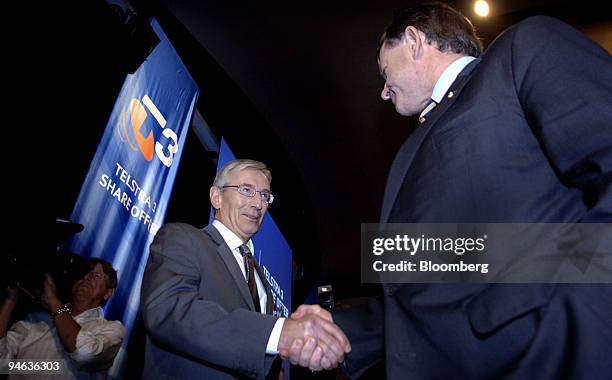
[249, 191]
[95, 275]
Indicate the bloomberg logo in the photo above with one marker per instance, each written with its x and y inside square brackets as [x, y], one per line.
[135, 138]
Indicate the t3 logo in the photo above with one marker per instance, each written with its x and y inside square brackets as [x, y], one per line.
[135, 137]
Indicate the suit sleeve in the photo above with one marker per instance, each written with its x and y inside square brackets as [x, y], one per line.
[180, 319]
[363, 326]
[564, 83]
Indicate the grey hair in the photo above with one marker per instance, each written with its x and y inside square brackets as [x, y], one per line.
[238, 165]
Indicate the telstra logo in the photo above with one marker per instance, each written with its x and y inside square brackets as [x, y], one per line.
[137, 141]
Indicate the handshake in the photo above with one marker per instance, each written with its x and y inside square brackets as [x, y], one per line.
[311, 339]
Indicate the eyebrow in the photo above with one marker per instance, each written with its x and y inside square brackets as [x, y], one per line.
[254, 187]
[383, 73]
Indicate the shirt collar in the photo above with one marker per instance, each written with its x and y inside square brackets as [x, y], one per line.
[230, 238]
[448, 77]
[90, 314]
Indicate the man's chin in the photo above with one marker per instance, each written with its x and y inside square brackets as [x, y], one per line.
[403, 111]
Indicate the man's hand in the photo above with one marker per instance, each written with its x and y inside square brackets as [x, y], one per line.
[49, 298]
[303, 310]
[311, 339]
[12, 293]
[6, 309]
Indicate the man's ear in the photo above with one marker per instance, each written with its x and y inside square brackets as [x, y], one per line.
[416, 41]
[215, 197]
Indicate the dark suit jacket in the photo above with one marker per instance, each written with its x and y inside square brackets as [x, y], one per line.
[526, 137]
[196, 307]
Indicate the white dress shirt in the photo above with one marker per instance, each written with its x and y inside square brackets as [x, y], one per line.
[445, 82]
[448, 77]
[233, 242]
[36, 339]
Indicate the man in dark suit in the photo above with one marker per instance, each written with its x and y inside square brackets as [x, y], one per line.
[521, 133]
[205, 303]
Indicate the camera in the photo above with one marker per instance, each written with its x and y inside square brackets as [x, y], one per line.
[25, 269]
[325, 296]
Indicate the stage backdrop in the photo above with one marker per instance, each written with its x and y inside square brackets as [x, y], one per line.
[124, 197]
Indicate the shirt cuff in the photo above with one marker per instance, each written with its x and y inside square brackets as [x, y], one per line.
[272, 347]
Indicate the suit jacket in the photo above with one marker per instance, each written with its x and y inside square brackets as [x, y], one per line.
[526, 136]
[198, 312]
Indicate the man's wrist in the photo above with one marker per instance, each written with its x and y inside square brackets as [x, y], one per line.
[287, 335]
[62, 309]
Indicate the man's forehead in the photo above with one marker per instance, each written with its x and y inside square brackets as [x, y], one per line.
[245, 174]
[389, 46]
[384, 51]
[97, 268]
[383, 58]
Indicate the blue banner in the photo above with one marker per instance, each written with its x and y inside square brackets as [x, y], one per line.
[124, 198]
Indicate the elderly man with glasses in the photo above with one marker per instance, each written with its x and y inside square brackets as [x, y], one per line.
[71, 341]
[205, 303]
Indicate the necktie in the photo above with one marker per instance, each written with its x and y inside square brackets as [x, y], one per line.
[249, 264]
[429, 107]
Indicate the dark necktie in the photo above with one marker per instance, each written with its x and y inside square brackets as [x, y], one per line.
[249, 264]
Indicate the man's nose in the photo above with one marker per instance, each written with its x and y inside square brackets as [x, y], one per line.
[385, 92]
[256, 201]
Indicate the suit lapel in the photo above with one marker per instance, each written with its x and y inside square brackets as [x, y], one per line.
[411, 146]
[399, 168]
[230, 263]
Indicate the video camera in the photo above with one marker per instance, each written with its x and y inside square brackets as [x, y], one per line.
[26, 269]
